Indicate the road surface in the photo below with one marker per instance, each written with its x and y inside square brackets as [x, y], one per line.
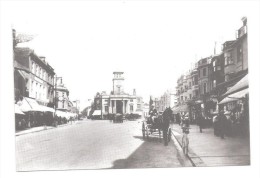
[98, 144]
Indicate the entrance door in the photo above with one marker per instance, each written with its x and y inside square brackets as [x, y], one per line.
[119, 107]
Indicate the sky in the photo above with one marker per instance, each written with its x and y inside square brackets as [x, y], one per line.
[153, 43]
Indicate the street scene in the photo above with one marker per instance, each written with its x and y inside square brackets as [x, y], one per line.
[99, 94]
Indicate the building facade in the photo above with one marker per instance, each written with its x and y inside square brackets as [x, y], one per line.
[33, 77]
[118, 101]
[213, 76]
[62, 97]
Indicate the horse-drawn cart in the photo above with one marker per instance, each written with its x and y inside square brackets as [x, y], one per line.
[156, 126]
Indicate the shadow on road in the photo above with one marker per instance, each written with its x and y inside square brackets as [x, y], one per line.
[151, 154]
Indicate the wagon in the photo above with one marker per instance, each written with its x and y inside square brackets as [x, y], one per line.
[153, 126]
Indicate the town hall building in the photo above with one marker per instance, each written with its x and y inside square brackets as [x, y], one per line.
[118, 102]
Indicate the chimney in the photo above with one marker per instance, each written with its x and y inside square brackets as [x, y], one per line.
[134, 92]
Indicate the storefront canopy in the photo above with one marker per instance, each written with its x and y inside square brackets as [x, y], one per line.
[29, 104]
[235, 96]
[240, 85]
[97, 113]
[17, 110]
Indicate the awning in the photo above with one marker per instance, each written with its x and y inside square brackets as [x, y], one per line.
[28, 104]
[97, 113]
[17, 110]
[24, 74]
[240, 85]
[235, 96]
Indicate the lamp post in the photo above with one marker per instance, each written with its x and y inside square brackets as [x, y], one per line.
[55, 96]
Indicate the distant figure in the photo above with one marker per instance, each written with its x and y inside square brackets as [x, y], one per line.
[215, 124]
[200, 121]
[222, 121]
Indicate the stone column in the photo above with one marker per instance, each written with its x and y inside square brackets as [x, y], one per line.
[123, 108]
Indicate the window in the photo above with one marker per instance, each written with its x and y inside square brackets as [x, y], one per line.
[63, 105]
[32, 87]
[204, 72]
[40, 93]
[189, 84]
[36, 89]
[139, 106]
[131, 108]
[214, 66]
[196, 80]
[214, 83]
[43, 92]
[239, 53]
[205, 88]
[106, 108]
[33, 67]
[228, 58]
[181, 98]
[36, 70]
[43, 74]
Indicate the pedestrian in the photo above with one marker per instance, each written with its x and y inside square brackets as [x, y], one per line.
[200, 121]
[222, 121]
[215, 124]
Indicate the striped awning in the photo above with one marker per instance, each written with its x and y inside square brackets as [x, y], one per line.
[235, 96]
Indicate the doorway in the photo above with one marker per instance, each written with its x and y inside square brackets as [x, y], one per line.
[119, 107]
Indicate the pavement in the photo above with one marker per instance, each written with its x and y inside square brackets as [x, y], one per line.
[206, 149]
[40, 128]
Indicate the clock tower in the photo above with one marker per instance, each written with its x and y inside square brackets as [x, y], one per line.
[118, 83]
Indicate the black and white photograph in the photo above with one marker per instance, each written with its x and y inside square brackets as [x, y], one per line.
[97, 85]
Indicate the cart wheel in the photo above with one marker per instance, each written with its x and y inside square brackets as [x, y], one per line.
[169, 134]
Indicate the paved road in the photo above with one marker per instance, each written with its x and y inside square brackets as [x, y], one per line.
[94, 145]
